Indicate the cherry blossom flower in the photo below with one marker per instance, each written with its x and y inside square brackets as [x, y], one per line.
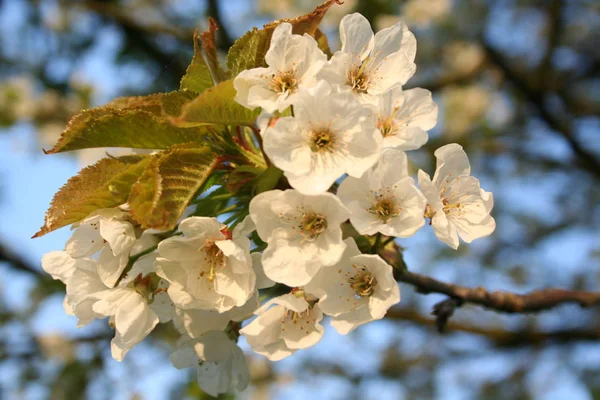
[385, 199]
[106, 231]
[404, 116]
[293, 63]
[329, 135]
[358, 289]
[205, 268]
[80, 275]
[134, 319]
[456, 205]
[284, 325]
[135, 304]
[221, 365]
[367, 64]
[195, 322]
[302, 232]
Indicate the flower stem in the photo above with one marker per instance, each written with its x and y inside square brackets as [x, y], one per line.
[132, 260]
[376, 243]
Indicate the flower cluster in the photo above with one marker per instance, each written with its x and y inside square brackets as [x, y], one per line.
[338, 129]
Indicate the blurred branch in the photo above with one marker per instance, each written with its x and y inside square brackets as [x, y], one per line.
[501, 337]
[19, 263]
[123, 17]
[539, 300]
[134, 29]
[213, 10]
[536, 97]
[554, 29]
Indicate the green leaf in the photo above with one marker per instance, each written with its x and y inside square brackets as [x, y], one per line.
[241, 177]
[249, 51]
[212, 203]
[268, 180]
[197, 77]
[216, 106]
[103, 185]
[322, 42]
[169, 183]
[135, 122]
[205, 70]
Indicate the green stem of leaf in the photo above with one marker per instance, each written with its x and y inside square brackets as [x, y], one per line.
[260, 144]
[388, 241]
[376, 243]
[132, 260]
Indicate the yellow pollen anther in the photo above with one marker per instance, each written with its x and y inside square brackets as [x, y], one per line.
[357, 77]
[284, 82]
[385, 209]
[363, 283]
[322, 140]
[312, 225]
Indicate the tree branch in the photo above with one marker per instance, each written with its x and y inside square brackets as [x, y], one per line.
[124, 18]
[536, 97]
[20, 264]
[539, 300]
[508, 302]
[500, 337]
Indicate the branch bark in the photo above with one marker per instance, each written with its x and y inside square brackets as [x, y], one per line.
[501, 337]
[508, 302]
[20, 264]
[536, 97]
[539, 300]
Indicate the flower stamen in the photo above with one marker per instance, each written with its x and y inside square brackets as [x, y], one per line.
[358, 79]
[385, 208]
[322, 140]
[214, 257]
[312, 225]
[363, 283]
[285, 82]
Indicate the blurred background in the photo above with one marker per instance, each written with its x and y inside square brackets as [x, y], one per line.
[518, 85]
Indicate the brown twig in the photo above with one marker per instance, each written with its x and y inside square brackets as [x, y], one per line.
[125, 18]
[536, 97]
[20, 264]
[508, 302]
[501, 337]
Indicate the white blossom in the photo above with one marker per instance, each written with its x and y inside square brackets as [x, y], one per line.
[195, 322]
[205, 268]
[330, 134]
[457, 206]
[293, 62]
[80, 275]
[367, 64]
[220, 364]
[358, 289]
[385, 199]
[106, 231]
[136, 304]
[302, 232]
[404, 116]
[133, 317]
[284, 325]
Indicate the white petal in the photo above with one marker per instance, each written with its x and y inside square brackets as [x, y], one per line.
[196, 226]
[452, 162]
[262, 281]
[119, 235]
[59, 264]
[393, 39]
[110, 267]
[85, 241]
[356, 35]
